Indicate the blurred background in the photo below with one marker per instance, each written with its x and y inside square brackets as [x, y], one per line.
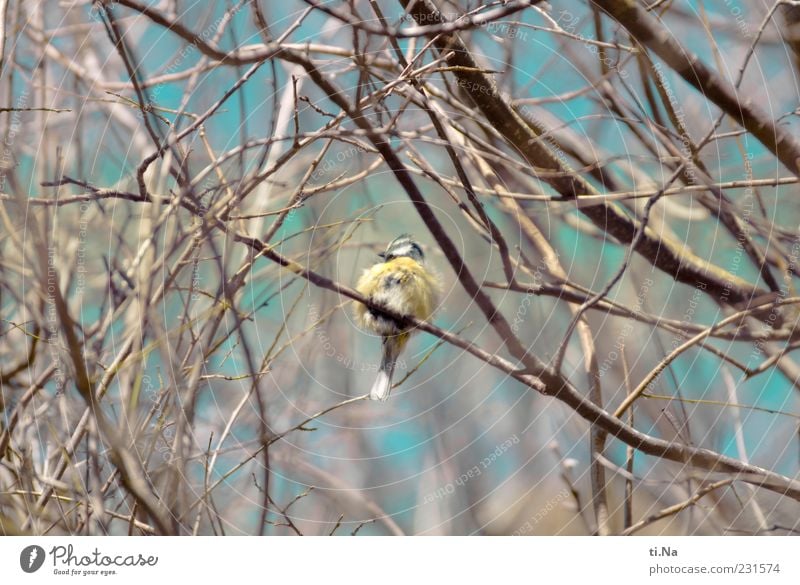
[135, 163]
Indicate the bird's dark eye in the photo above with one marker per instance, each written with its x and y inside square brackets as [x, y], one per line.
[418, 250]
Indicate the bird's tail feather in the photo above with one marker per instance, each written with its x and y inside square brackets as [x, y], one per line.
[383, 383]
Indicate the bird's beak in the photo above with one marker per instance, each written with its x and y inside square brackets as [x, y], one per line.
[382, 255]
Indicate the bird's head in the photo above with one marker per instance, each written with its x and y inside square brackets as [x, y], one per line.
[403, 246]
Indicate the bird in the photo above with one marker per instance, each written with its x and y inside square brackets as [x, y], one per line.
[401, 282]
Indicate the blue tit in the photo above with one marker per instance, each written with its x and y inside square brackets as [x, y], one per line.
[401, 283]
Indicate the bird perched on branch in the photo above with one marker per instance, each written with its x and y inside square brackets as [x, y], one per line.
[401, 283]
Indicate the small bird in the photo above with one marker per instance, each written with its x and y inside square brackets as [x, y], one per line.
[401, 283]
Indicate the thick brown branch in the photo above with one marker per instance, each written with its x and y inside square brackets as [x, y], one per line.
[555, 385]
[651, 33]
[667, 254]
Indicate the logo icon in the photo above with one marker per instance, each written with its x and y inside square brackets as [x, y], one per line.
[31, 558]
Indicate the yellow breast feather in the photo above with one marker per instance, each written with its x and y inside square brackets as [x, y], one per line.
[401, 284]
[414, 289]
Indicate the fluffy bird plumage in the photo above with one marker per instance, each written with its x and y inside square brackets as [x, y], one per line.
[403, 284]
